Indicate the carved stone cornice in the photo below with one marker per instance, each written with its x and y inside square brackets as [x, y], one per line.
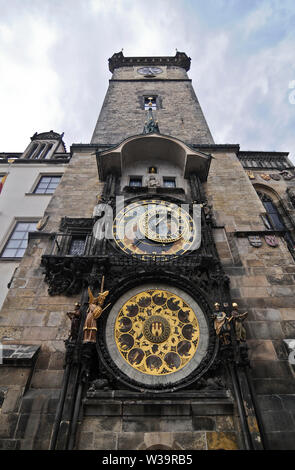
[74, 223]
[51, 135]
[118, 60]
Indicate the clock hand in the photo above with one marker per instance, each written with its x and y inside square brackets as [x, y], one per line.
[159, 221]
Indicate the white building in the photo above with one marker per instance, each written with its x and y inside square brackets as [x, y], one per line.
[28, 182]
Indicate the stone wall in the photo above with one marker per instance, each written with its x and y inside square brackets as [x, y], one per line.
[196, 422]
[180, 113]
[30, 316]
[262, 283]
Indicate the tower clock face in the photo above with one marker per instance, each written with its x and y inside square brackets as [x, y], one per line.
[152, 228]
[156, 335]
[149, 71]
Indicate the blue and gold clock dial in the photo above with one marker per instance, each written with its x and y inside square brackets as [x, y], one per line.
[152, 228]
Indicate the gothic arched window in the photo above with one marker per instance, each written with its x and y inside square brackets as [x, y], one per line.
[272, 212]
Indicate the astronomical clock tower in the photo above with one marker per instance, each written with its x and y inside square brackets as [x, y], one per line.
[165, 355]
[153, 239]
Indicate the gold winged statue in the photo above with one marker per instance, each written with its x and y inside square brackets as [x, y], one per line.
[95, 310]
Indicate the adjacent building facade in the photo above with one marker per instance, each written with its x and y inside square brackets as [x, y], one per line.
[29, 180]
[154, 307]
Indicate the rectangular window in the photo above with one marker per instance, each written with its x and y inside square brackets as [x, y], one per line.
[47, 184]
[18, 241]
[150, 102]
[135, 181]
[169, 182]
[77, 246]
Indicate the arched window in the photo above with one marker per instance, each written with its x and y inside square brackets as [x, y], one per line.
[39, 152]
[272, 212]
[47, 150]
[32, 150]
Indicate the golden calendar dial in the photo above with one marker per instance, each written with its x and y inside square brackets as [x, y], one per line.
[156, 332]
[151, 228]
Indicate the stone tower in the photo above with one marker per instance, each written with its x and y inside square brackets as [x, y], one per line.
[171, 260]
[133, 82]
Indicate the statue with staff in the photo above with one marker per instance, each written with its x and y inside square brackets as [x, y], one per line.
[95, 310]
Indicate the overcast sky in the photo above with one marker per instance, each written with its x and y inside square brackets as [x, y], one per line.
[54, 70]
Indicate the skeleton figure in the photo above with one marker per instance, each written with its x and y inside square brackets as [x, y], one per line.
[75, 318]
[94, 312]
[238, 319]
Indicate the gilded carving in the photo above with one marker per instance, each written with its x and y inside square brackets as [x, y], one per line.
[95, 310]
[157, 332]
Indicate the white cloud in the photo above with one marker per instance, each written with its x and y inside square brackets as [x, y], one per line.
[54, 71]
[29, 85]
[258, 18]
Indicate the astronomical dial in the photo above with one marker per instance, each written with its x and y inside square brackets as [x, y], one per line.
[152, 228]
[156, 332]
[156, 336]
[149, 71]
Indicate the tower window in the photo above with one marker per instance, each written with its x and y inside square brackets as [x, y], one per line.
[47, 184]
[18, 241]
[272, 212]
[135, 181]
[169, 182]
[150, 102]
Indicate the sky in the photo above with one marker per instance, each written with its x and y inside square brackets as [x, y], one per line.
[54, 64]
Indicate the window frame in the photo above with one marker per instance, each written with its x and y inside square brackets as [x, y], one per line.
[167, 179]
[10, 232]
[134, 185]
[38, 181]
[157, 99]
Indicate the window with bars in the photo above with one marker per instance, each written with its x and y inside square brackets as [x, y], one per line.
[47, 184]
[77, 246]
[18, 241]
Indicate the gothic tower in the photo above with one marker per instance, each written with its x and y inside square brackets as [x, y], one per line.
[171, 260]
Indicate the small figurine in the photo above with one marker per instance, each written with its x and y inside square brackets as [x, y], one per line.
[221, 324]
[153, 181]
[75, 318]
[238, 319]
[94, 312]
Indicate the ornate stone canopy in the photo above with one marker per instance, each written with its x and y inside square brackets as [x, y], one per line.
[145, 147]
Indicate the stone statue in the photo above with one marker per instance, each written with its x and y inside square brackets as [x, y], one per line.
[153, 182]
[75, 318]
[238, 319]
[221, 324]
[94, 312]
